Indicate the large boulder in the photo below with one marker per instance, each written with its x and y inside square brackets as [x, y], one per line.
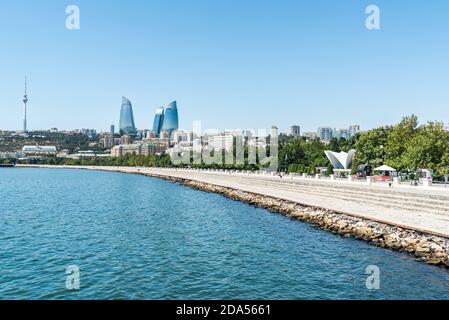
[364, 232]
[422, 251]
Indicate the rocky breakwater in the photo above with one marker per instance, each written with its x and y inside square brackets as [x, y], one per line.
[426, 247]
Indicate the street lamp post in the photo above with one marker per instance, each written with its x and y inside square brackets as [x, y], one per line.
[382, 146]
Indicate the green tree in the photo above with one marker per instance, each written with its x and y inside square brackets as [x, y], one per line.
[334, 145]
[368, 147]
[443, 167]
[399, 139]
[427, 148]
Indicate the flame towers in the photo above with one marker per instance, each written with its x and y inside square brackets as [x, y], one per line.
[166, 119]
[127, 125]
[158, 121]
[171, 122]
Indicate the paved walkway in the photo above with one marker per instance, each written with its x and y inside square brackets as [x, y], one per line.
[421, 209]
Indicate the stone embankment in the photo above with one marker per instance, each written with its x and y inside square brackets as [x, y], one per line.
[428, 248]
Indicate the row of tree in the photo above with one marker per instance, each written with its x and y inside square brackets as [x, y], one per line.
[127, 160]
[7, 161]
[69, 141]
[405, 146]
[301, 156]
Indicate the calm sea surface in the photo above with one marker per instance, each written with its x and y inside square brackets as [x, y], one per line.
[135, 237]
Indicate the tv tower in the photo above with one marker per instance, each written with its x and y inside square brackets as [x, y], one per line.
[25, 101]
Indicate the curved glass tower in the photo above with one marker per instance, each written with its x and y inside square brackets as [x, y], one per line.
[127, 125]
[171, 122]
[158, 121]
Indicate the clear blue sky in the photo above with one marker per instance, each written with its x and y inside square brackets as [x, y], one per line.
[228, 63]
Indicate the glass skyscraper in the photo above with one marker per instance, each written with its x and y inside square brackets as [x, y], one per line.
[325, 133]
[171, 122]
[158, 121]
[127, 125]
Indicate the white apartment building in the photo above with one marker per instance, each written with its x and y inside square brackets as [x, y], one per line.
[39, 150]
[221, 142]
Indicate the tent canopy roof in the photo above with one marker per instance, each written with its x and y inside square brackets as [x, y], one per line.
[385, 168]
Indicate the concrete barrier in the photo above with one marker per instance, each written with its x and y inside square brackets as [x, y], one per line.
[427, 183]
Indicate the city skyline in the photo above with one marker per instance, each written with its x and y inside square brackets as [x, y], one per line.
[316, 72]
[166, 119]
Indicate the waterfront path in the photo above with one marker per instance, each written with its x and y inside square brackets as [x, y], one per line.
[416, 208]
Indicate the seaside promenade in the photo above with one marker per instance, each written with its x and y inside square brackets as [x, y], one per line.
[416, 208]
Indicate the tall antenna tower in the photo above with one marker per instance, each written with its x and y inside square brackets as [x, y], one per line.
[25, 101]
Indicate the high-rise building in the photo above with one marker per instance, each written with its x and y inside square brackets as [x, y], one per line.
[112, 131]
[125, 139]
[221, 142]
[154, 147]
[158, 121]
[164, 135]
[335, 133]
[177, 136]
[166, 119]
[187, 137]
[171, 122]
[295, 131]
[91, 133]
[150, 134]
[325, 133]
[309, 135]
[108, 141]
[274, 131]
[127, 126]
[344, 133]
[353, 129]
